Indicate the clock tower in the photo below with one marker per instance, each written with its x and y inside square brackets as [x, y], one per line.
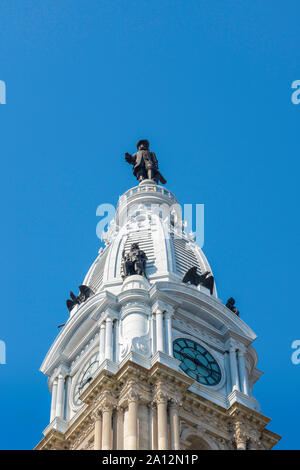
[150, 357]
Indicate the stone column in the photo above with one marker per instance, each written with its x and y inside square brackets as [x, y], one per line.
[243, 372]
[159, 331]
[153, 348]
[174, 424]
[53, 400]
[106, 424]
[168, 316]
[102, 343]
[228, 373]
[233, 368]
[60, 401]
[108, 339]
[153, 425]
[98, 430]
[133, 403]
[120, 428]
[240, 435]
[162, 421]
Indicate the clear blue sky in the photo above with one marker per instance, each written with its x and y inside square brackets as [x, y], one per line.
[209, 84]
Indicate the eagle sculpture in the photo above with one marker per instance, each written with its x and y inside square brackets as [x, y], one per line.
[205, 280]
[84, 293]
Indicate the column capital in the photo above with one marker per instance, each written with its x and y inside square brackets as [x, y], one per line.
[157, 311]
[62, 370]
[108, 314]
[106, 405]
[256, 441]
[175, 403]
[161, 307]
[106, 402]
[133, 391]
[169, 313]
[152, 405]
[96, 414]
[132, 396]
[241, 349]
[160, 397]
[231, 345]
[101, 322]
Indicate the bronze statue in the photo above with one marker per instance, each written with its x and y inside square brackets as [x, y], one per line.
[84, 293]
[230, 304]
[145, 164]
[205, 280]
[134, 262]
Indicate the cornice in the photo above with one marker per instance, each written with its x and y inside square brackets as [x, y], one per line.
[175, 379]
[239, 411]
[196, 300]
[54, 440]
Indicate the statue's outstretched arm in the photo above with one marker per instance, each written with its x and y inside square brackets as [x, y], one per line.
[129, 158]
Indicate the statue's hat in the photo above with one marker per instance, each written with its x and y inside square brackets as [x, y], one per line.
[143, 141]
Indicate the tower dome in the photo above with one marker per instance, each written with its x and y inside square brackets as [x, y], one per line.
[151, 216]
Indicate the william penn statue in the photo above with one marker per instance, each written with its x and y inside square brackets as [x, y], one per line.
[145, 164]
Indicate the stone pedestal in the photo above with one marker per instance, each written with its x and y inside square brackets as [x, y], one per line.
[135, 334]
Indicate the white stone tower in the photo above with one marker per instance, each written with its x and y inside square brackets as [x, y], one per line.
[152, 363]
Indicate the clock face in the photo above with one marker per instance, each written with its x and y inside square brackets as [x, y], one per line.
[85, 377]
[196, 362]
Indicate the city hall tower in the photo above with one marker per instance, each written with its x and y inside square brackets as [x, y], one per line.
[150, 357]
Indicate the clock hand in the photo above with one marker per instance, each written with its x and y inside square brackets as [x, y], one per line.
[198, 363]
[187, 356]
[87, 381]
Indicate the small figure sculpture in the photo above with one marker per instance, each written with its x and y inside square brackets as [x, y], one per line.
[127, 265]
[205, 280]
[145, 164]
[134, 262]
[230, 304]
[84, 294]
